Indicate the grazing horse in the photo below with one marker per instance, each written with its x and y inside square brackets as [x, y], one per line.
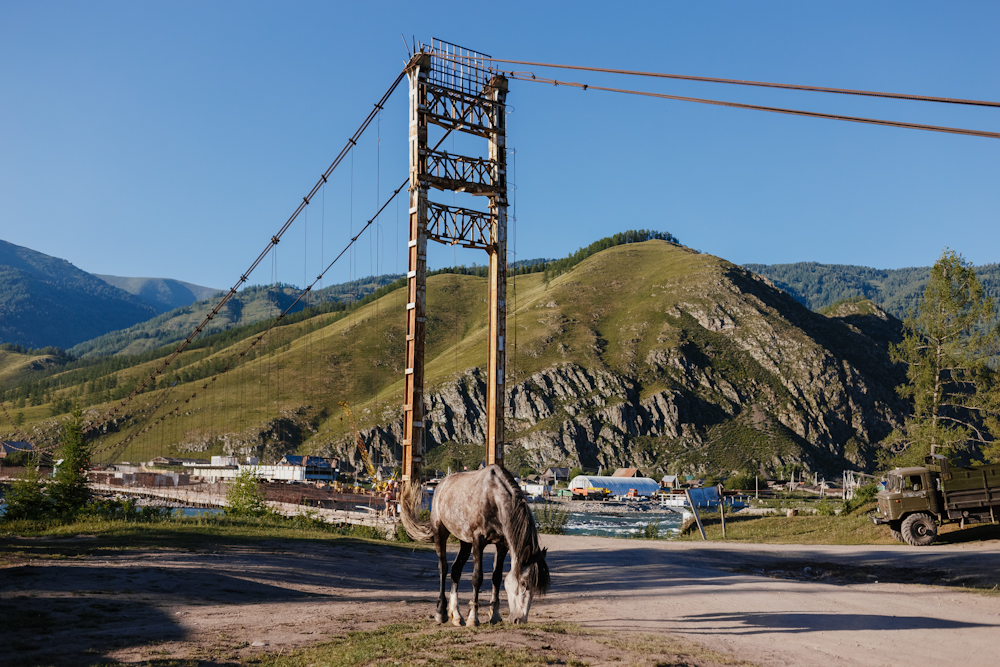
[479, 508]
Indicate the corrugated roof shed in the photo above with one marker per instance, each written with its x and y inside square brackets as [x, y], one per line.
[618, 486]
[628, 472]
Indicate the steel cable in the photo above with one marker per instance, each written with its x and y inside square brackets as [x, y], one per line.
[519, 76]
[742, 82]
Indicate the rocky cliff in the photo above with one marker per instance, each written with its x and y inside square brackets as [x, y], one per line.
[715, 371]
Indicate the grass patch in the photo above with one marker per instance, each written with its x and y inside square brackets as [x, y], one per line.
[780, 529]
[21, 540]
[496, 646]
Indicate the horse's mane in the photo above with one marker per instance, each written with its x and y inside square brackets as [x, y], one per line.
[523, 537]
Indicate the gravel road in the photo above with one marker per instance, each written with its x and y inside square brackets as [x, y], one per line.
[771, 605]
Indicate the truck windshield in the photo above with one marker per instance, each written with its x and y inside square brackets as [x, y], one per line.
[895, 483]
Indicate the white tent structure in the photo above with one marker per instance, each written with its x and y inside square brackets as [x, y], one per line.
[618, 486]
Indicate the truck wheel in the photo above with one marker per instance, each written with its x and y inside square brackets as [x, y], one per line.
[919, 530]
[895, 532]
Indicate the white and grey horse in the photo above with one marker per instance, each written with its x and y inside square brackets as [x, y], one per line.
[479, 508]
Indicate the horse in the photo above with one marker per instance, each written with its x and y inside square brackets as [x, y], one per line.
[481, 507]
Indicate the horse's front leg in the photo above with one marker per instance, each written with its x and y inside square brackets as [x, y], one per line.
[441, 545]
[477, 582]
[497, 579]
[456, 573]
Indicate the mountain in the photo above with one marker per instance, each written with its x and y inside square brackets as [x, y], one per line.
[647, 354]
[896, 290]
[164, 294]
[251, 305]
[46, 301]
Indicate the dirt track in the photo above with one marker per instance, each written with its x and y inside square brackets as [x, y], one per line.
[758, 602]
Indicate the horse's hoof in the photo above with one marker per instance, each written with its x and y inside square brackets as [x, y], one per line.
[439, 618]
[457, 622]
[496, 618]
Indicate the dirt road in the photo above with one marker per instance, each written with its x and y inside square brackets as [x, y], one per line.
[773, 605]
[850, 607]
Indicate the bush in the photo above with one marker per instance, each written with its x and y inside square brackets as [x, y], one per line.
[550, 519]
[652, 530]
[826, 508]
[244, 497]
[26, 500]
[118, 509]
[742, 481]
[864, 495]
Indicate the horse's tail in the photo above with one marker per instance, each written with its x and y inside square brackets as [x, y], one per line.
[411, 499]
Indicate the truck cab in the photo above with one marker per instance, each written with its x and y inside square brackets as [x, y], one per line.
[910, 504]
[907, 490]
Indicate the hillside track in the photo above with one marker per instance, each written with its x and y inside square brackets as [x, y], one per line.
[757, 603]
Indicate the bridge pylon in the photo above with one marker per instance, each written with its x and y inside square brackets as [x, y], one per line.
[455, 89]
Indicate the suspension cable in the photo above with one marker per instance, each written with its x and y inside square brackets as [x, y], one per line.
[738, 82]
[348, 147]
[256, 339]
[527, 76]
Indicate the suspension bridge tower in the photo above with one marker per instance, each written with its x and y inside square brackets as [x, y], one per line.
[456, 90]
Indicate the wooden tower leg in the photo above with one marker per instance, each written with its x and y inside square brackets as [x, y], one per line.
[416, 277]
[496, 383]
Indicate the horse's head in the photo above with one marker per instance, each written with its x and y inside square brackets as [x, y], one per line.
[524, 582]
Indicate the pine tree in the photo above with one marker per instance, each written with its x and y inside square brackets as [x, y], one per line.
[70, 492]
[948, 347]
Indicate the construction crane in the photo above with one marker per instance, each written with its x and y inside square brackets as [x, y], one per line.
[377, 485]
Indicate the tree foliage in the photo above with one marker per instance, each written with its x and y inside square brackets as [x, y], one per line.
[26, 499]
[949, 347]
[70, 493]
[244, 497]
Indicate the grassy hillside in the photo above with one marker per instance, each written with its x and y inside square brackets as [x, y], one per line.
[251, 305]
[754, 378]
[40, 294]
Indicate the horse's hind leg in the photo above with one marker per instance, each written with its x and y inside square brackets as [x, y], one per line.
[497, 578]
[477, 582]
[456, 573]
[441, 545]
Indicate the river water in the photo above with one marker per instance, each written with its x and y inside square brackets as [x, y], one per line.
[624, 525]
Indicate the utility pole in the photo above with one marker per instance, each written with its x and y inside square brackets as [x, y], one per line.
[455, 89]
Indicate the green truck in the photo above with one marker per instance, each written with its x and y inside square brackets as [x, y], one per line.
[917, 500]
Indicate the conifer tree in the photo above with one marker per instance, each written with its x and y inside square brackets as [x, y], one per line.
[70, 492]
[949, 347]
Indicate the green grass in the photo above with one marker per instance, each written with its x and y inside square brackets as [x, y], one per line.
[780, 529]
[608, 313]
[20, 540]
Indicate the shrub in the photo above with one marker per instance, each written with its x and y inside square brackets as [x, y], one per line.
[743, 481]
[550, 519]
[826, 508]
[25, 499]
[244, 497]
[863, 495]
[652, 530]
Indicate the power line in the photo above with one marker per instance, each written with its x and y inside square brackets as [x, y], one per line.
[737, 105]
[742, 82]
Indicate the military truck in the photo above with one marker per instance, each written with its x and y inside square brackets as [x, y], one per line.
[917, 500]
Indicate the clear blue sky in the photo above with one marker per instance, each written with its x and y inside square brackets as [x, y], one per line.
[172, 139]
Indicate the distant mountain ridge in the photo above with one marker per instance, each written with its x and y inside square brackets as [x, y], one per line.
[164, 294]
[46, 301]
[818, 286]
